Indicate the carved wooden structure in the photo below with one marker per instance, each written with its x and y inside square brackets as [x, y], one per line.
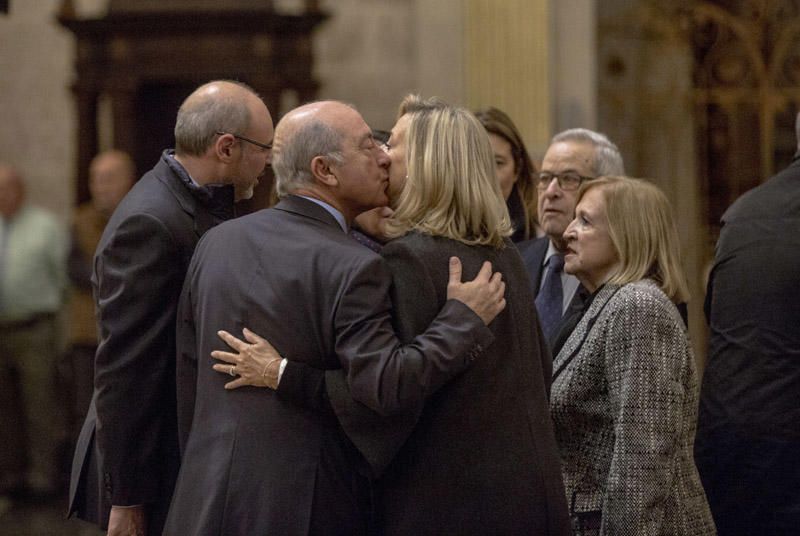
[747, 93]
[145, 62]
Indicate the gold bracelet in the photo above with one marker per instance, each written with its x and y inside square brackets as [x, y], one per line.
[266, 367]
[264, 372]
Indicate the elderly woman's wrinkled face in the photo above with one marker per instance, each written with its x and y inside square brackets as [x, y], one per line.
[398, 169]
[590, 254]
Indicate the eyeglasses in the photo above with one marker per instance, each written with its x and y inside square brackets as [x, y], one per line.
[569, 180]
[267, 146]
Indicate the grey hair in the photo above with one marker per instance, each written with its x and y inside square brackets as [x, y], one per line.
[607, 158]
[291, 159]
[200, 117]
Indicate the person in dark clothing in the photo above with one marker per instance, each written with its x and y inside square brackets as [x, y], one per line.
[253, 463]
[574, 156]
[515, 172]
[478, 455]
[111, 175]
[748, 435]
[127, 458]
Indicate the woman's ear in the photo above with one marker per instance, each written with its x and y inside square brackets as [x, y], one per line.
[323, 172]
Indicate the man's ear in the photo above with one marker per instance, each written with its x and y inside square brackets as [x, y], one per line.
[224, 148]
[322, 171]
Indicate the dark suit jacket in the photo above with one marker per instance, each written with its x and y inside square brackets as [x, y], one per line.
[127, 452]
[748, 436]
[480, 456]
[253, 463]
[533, 253]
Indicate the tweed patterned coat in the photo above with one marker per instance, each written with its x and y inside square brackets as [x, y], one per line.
[624, 404]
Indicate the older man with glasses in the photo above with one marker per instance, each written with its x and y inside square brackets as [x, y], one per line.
[574, 156]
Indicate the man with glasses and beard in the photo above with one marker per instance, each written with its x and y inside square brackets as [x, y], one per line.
[126, 460]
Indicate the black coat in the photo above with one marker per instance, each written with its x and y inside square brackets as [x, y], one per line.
[748, 435]
[127, 452]
[482, 458]
[479, 457]
[254, 463]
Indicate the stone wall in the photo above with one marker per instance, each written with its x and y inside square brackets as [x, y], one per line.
[37, 133]
[372, 53]
[369, 53]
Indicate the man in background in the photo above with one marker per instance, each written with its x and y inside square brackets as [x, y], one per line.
[127, 457]
[574, 156]
[748, 436]
[111, 175]
[33, 250]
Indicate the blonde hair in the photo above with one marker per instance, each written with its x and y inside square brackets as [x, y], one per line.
[643, 231]
[451, 189]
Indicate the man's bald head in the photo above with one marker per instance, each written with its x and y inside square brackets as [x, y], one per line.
[218, 106]
[326, 150]
[111, 175]
[304, 133]
[12, 191]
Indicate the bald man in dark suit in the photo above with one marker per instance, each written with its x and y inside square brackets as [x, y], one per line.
[293, 274]
[126, 459]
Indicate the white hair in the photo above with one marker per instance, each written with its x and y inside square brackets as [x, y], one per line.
[607, 158]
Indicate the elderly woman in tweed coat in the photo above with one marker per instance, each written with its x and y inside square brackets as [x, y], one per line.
[624, 395]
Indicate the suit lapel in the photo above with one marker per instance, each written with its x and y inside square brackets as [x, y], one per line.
[533, 257]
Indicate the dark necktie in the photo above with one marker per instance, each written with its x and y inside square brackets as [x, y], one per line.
[551, 297]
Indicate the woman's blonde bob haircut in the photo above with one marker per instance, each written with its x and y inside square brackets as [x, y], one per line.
[451, 189]
[643, 232]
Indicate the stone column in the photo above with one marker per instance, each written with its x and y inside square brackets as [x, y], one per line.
[574, 59]
[506, 63]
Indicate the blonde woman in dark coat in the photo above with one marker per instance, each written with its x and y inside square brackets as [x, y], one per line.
[479, 455]
[625, 387]
[482, 457]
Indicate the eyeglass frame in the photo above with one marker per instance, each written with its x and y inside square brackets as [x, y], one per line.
[267, 146]
[559, 177]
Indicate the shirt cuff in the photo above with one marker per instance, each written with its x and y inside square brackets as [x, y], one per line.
[280, 371]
